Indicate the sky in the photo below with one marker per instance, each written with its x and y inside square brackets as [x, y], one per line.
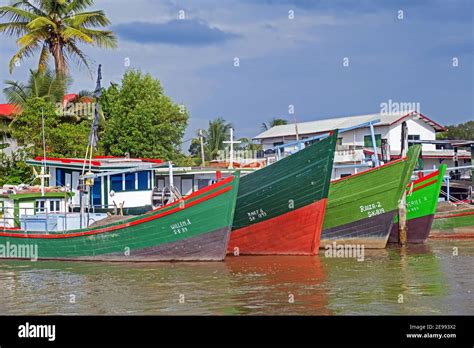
[326, 58]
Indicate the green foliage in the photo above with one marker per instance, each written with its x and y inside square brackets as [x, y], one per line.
[40, 85]
[141, 120]
[247, 144]
[63, 139]
[217, 132]
[55, 28]
[14, 171]
[462, 131]
[273, 122]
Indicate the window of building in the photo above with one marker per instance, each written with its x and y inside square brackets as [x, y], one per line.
[413, 137]
[278, 143]
[143, 180]
[129, 181]
[339, 141]
[116, 182]
[368, 140]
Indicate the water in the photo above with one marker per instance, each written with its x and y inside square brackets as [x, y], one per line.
[430, 278]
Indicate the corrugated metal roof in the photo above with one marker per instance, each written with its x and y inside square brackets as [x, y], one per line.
[325, 125]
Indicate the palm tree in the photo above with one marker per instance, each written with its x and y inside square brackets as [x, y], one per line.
[40, 85]
[273, 122]
[215, 135]
[55, 27]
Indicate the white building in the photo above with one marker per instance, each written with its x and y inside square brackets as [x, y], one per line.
[355, 146]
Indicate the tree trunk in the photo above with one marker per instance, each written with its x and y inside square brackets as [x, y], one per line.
[59, 59]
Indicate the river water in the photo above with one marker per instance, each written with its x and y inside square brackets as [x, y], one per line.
[437, 278]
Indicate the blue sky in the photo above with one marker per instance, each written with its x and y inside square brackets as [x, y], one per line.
[285, 61]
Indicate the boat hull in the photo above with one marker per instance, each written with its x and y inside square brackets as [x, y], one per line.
[418, 230]
[293, 233]
[280, 208]
[421, 200]
[361, 208]
[369, 232]
[194, 229]
[453, 225]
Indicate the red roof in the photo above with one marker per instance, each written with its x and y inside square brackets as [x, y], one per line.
[7, 110]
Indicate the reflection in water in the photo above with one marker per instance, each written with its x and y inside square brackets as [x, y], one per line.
[279, 285]
[430, 279]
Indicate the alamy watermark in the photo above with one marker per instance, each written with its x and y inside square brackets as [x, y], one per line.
[19, 251]
[392, 107]
[334, 250]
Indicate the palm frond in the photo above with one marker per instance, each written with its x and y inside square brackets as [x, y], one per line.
[25, 51]
[85, 19]
[79, 56]
[33, 8]
[16, 92]
[43, 59]
[17, 14]
[14, 29]
[42, 22]
[102, 38]
[78, 5]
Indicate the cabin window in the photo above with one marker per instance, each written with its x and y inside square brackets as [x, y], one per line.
[96, 196]
[202, 183]
[60, 177]
[143, 180]
[116, 182]
[368, 140]
[345, 175]
[40, 206]
[49, 205]
[129, 181]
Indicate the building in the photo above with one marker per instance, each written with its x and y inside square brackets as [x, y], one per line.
[355, 148]
[8, 145]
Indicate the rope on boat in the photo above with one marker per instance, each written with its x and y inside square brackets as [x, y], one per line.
[454, 201]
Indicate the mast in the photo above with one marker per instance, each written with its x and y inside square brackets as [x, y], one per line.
[43, 167]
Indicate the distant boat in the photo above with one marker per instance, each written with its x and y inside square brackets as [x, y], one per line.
[456, 223]
[195, 228]
[361, 208]
[422, 200]
[280, 208]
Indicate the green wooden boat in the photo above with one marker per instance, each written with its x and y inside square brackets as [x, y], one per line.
[280, 208]
[422, 200]
[361, 208]
[453, 224]
[194, 228]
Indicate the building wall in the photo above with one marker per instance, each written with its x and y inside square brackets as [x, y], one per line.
[415, 127]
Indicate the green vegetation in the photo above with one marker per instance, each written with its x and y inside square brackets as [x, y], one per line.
[217, 132]
[63, 138]
[274, 122]
[140, 120]
[43, 85]
[55, 28]
[462, 131]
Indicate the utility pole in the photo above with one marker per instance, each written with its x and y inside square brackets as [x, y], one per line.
[201, 139]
